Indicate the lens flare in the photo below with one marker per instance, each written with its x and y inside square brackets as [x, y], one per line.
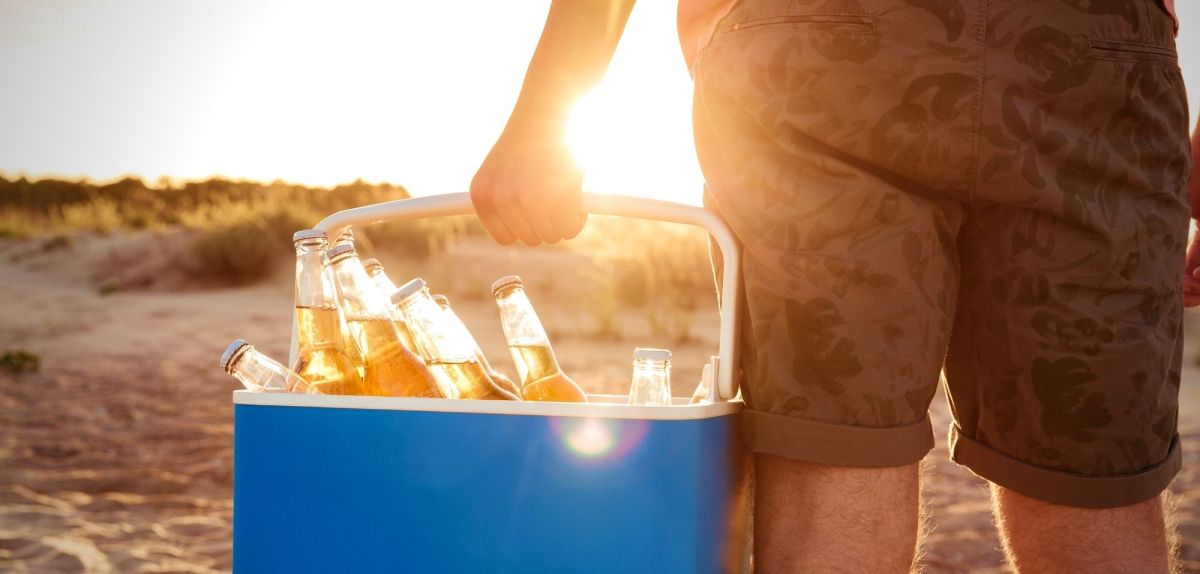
[599, 439]
[592, 438]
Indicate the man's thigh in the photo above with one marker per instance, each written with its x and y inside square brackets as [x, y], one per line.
[835, 156]
[1064, 360]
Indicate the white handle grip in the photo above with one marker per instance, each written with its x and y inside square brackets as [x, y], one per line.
[460, 204]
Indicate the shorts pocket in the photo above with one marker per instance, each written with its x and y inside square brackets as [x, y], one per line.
[830, 22]
[1130, 51]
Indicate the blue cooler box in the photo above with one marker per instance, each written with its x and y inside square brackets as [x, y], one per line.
[389, 484]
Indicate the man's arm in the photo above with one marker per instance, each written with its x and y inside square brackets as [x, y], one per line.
[529, 187]
[1191, 278]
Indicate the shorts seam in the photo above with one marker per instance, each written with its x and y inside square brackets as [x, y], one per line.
[836, 444]
[1061, 487]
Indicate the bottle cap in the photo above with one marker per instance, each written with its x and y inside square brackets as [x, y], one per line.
[372, 265]
[233, 351]
[441, 300]
[408, 290]
[340, 252]
[306, 234]
[646, 354]
[505, 281]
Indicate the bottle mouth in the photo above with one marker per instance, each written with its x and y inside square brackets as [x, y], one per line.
[441, 300]
[232, 353]
[306, 235]
[372, 265]
[648, 354]
[340, 252]
[506, 282]
[408, 290]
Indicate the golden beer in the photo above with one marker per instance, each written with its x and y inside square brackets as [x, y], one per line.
[322, 361]
[391, 369]
[541, 378]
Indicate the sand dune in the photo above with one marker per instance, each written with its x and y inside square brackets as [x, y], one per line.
[117, 456]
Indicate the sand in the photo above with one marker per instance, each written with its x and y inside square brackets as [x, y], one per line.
[117, 455]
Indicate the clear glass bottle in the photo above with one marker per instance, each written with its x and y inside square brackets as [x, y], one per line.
[379, 276]
[499, 378]
[445, 349]
[390, 368]
[344, 237]
[651, 377]
[700, 395]
[541, 377]
[258, 372]
[322, 357]
[387, 287]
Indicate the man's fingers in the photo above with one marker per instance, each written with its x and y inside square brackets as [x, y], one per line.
[483, 198]
[570, 225]
[512, 213]
[539, 220]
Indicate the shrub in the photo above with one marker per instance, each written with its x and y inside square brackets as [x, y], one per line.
[19, 361]
[240, 253]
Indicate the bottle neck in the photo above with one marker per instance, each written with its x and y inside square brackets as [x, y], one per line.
[438, 339]
[312, 284]
[360, 297]
[520, 322]
[255, 371]
[382, 281]
[659, 370]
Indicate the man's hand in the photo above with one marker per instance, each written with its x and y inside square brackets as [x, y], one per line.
[1191, 271]
[529, 188]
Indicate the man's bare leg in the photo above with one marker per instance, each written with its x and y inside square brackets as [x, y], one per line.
[1043, 537]
[817, 518]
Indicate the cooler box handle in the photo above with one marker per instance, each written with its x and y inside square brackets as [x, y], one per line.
[725, 364]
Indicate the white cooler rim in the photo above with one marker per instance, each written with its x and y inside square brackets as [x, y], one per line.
[604, 406]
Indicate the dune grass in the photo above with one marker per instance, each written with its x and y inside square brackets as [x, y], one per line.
[240, 233]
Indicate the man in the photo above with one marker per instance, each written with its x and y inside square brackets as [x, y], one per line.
[992, 186]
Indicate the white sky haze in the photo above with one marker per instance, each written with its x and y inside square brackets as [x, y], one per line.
[413, 93]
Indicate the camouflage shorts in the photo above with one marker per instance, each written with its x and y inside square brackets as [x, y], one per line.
[994, 187]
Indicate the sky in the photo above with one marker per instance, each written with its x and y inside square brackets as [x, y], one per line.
[412, 93]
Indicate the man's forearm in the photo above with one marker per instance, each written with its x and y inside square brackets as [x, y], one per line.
[575, 49]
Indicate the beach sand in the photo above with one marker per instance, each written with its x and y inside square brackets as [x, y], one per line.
[117, 455]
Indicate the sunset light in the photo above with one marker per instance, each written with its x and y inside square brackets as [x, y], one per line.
[407, 93]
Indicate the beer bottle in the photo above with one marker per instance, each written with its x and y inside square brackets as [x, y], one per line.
[390, 368]
[384, 284]
[444, 347]
[258, 372]
[497, 377]
[344, 237]
[700, 395]
[322, 358]
[651, 377]
[541, 377]
[382, 281]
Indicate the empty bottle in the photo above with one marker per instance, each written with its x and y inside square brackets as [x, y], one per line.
[258, 372]
[321, 357]
[651, 377]
[541, 377]
[499, 378]
[700, 395]
[444, 347]
[390, 368]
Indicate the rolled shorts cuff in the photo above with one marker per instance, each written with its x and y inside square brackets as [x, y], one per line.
[1062, 487]
[836, 444]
